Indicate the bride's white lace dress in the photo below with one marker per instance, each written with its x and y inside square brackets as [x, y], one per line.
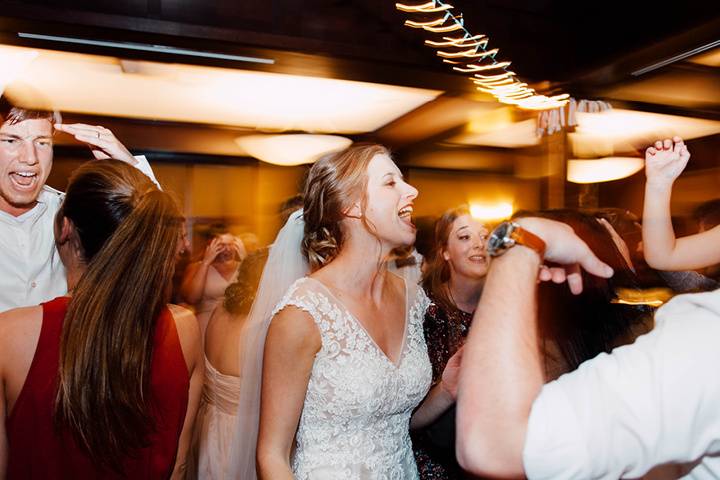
[355, 420]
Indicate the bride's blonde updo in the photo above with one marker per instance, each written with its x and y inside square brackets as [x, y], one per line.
[334, 183]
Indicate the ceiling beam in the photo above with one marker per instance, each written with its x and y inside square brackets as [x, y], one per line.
[621, 69]
[288, 61]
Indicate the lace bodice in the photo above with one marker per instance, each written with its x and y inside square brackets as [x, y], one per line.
[355, 420]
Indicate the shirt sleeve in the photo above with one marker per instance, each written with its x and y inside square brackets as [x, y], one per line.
[144, 166]
[646, 404]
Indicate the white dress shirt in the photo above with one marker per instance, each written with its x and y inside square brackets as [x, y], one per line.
[653, 406]
[30, 268]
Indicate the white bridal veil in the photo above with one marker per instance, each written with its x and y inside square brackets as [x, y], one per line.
[284, 265]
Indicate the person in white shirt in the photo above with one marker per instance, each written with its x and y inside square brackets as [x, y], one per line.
[649, 408]
[30, 269]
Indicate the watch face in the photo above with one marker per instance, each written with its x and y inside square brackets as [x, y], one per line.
[499, 237]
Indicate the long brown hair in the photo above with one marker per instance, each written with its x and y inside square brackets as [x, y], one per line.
[128, 230]
[579, 327]
[437, 273]
[333, 184]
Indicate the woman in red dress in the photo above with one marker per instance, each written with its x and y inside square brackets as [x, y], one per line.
[103, 383]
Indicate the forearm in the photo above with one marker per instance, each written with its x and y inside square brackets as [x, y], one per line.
[437, 401]
[657, 230]
[501, 373]
[193, 286]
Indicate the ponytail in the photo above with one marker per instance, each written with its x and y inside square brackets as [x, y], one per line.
[108, 332]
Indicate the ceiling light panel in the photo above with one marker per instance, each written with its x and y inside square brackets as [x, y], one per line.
[102, 85]
[602, 169]
[621, 130]
[289, 150]
[511, 135]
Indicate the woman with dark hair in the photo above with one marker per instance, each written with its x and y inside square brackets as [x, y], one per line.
[575, 328]
[205, 281]
[455, 271]
[217, 417]
[104, 382]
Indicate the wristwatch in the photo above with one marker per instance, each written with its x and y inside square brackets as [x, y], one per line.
[509, 234]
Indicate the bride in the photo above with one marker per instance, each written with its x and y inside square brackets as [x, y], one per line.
[345, 361]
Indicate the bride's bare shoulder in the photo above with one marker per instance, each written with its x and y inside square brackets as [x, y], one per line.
[294, 325]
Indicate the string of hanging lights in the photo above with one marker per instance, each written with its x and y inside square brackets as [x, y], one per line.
[468, 53]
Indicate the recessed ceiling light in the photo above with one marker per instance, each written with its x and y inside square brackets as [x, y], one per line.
[602, 169]
[619, 130]
[290, 150]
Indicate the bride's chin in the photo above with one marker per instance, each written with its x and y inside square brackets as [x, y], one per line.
[407, 240]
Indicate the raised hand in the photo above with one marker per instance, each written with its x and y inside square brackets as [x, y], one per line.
[212, 250]
[565, 249]
[101, 141]
[665, 161]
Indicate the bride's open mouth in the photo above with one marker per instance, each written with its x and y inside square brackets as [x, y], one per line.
[405, 215]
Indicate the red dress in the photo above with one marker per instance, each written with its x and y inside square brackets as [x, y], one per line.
[38, 451]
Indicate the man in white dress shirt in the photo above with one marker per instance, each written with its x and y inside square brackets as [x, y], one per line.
[30, 268]
[649, 407]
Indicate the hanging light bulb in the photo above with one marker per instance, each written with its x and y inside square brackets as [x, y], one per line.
[492, 78]
[431, 23]
[472, 53]
[429, 7]
[454, 26]
[472, 50]
[472, 68]
[467, 41]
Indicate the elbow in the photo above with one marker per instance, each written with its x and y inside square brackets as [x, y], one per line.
[467, 458]
[658, 262]
[488, 455]
[653, 260]
[471, 454]
[488, 466]
[659, 259]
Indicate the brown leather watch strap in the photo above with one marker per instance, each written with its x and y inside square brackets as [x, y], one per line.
[529, 239]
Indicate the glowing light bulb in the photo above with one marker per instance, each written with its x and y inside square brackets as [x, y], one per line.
[492, 78]
[472, 68]
[469, 57]
[472, 53]
[450, 28]
[412, 24]
[468, 41]
[430, 7]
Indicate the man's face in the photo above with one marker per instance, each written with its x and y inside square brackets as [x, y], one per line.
[26, 153]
